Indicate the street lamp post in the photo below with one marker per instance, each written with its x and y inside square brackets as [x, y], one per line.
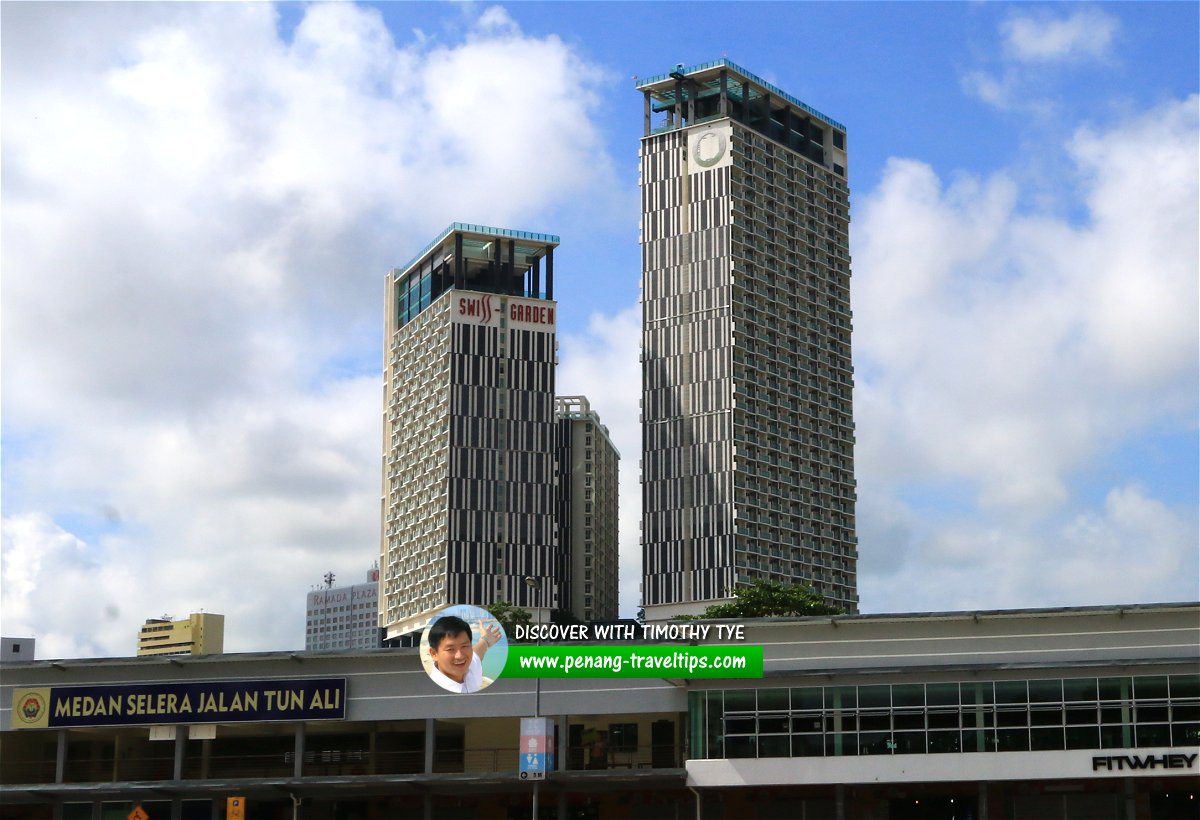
[535, 587]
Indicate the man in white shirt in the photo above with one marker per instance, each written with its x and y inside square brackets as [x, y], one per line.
[457, 665]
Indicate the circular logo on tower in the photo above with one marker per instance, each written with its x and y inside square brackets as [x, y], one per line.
[709, 148]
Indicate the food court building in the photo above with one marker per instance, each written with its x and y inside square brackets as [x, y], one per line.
[1044, 714]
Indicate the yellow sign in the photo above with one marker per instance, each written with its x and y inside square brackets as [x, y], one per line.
[138, 813]
[31, 708]
[235, 808]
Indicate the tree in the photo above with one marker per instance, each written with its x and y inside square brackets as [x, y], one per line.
[769, 599]
[510, 616]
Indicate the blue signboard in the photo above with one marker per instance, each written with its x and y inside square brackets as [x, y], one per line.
[183, 702]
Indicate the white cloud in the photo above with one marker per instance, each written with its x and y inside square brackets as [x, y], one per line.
[1133, 550]
[1030, 44]
[1087, 33]
[198, 218]
[1002, 353]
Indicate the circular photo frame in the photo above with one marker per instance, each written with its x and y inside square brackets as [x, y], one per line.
[464, 661]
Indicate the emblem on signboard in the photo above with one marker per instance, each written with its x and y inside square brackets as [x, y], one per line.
[30, 708]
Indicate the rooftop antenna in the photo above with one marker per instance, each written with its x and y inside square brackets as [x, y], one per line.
[329, 580]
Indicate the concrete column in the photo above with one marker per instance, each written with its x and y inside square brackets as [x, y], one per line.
[723, 106]
[430, 739]
[646, 113]
[839, 799]
[549, 273]
[60, 761]
[560, 749]
[180, 745]
[512, 266]
[983, 801]
[205, 758]
[1130, 800]
[298, 752]
[460, 275]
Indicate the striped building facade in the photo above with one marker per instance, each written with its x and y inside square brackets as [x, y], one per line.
[587, 518]
[748, 432]
[468, 502]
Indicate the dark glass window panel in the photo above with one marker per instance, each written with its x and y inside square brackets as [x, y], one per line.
[1077, 689]
[876, 722]
[978, 719]
[1185, 714]
[1151, 714]
[977, 693]
[1185, 686]
[846, 723]
[874, 697]
[874, 743]
[1083, 737]
[1012, 717]
[908, 720]
[772, 725]
[944, 742]
[808, 746]
[1081, 715]
[773, 700]
[1045, 691]
[1012, 740]
[1115, 688]
[1045, 739]
[1011, 691]
[807, 698]
[841, 697]
[981, 740]
[740, 746]
[739, 726]
[1045, 717]
[1116, 737]
[1150, 688]
[739, 700]
[807, 724]
[909, 743]
[1159, 735]
[908, 694]
[943, 720]
[841, 745]
[942, 694]
[1185, 734]
[775, 746]
[1114, 714]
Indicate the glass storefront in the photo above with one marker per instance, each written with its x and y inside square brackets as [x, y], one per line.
[932, 718]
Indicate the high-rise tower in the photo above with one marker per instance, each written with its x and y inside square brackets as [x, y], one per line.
[468, 503]
[588, 524]
[748, 433]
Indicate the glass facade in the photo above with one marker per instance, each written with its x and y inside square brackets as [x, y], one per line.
[959, 716]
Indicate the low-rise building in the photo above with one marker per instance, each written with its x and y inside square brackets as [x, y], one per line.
[1053, 714]
[201, 633]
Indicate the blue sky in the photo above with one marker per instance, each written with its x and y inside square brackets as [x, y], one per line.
[200, 202]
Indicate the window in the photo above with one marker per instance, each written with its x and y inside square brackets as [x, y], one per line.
[623, 737]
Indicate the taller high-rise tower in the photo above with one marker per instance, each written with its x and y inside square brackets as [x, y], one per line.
[748, 433]
[468, 506]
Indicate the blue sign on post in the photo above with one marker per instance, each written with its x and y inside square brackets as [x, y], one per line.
[536, 754]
